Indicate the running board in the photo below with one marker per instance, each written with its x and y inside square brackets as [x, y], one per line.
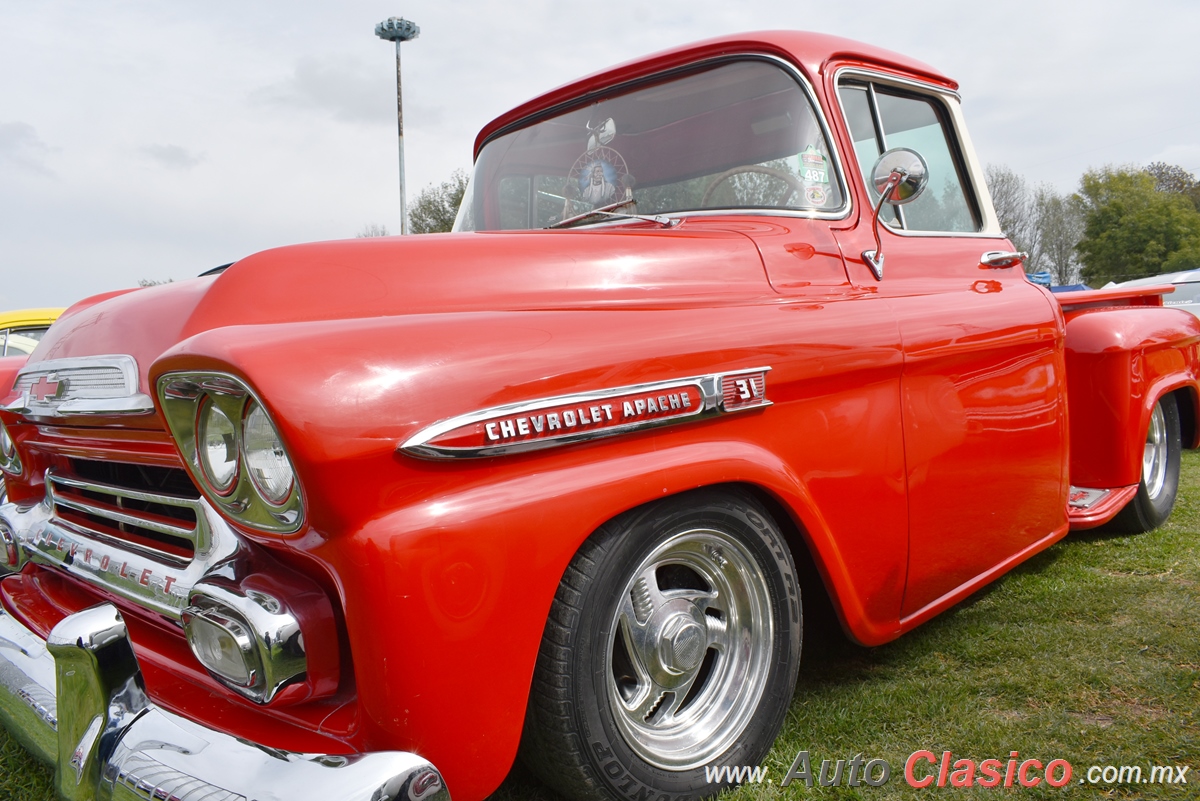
[1088, 507]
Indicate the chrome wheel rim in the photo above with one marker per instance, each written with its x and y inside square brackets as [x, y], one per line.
[691, 649]
[1154, 455]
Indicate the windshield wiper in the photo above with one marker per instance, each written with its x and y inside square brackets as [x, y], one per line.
[607, 211]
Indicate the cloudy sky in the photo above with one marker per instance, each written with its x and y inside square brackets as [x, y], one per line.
[156, 140]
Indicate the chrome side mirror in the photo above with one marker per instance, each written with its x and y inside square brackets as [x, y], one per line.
[899, 176]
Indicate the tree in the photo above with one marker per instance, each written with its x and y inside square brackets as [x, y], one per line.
[1060, 227]
[1173, 179]
[372, 229]
[1017, 212]
[1131, 229]
[435, 207]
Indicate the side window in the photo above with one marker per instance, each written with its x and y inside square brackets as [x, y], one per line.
[881, 118]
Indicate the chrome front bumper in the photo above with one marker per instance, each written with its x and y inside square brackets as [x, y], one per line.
[78, 702]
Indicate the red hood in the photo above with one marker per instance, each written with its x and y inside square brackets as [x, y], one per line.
[361, 278]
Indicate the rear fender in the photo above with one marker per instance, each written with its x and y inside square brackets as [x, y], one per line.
[1120, 362]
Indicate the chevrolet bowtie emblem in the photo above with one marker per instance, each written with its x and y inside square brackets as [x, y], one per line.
[45, 389]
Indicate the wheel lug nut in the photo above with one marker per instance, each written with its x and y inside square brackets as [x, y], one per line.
[681, 645]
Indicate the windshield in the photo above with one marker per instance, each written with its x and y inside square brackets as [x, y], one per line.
[741, 135]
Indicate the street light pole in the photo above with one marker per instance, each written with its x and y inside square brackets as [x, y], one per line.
[398, 30]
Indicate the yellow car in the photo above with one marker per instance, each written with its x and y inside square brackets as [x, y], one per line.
[20, 331]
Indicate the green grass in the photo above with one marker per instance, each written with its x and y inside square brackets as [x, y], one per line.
[1088, 652]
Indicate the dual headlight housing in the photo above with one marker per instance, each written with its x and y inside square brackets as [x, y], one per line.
[233, 449]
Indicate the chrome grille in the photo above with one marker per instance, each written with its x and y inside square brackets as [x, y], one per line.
[155, 510]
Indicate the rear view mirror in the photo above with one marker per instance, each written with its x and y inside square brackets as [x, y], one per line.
[900, 176]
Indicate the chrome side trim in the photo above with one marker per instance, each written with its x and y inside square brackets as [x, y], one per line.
[91, 385]
[689, 399]
[108, 740]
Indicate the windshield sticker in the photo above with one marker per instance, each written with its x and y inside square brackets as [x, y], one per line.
[813, 167]
[816, 195]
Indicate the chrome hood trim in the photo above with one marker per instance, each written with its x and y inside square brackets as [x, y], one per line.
[90, 385]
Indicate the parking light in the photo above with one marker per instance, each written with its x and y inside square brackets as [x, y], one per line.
[223, 645]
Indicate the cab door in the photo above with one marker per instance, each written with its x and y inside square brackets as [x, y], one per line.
[983, 389]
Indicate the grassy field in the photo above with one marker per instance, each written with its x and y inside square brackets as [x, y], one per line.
[1088, 653]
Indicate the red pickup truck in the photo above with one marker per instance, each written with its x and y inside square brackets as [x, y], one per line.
[720, 330]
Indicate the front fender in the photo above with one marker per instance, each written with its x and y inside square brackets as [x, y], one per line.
[452, 593]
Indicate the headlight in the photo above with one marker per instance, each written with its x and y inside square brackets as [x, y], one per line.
[217, 446]
[10, 461]
[265, 457]
[226, 436]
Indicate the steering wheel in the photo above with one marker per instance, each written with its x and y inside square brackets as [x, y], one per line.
[793, 183]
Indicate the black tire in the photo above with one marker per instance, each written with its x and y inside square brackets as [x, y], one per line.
[635, 690]
[1159, 484]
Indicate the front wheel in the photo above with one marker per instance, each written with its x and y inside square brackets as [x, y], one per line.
[1159, 484]
[672, 646]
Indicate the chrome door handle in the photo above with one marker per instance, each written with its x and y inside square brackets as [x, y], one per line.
[995, 259]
